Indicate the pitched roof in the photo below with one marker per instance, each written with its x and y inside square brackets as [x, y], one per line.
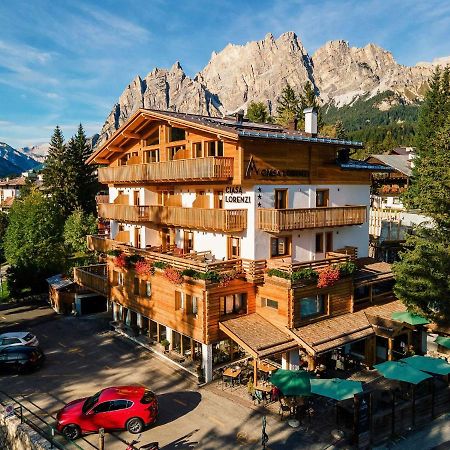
[400, 163]
[257, 335]
[337, 331]
[58, 282]
[19, 181]
[227, 127]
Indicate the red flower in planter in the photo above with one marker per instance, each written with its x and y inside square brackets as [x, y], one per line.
[328, 276]
[144, 267]
[173, 275]
[121, 261]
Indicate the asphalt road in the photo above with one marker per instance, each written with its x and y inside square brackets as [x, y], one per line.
[83, 356]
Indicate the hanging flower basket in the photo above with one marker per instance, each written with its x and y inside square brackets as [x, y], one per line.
[328, 276]
[121, 261]
[226, 278]
[144, 267]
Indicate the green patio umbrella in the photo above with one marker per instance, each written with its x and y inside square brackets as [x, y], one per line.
[444, 341]
[428, 364]
[292, 382]
[401, 371]
[336, 388]
[409, 318]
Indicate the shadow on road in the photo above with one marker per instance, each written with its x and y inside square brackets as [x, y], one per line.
[182, 443]
[174, 405]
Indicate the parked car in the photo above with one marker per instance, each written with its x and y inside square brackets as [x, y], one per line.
[21, 358]
[113, 408]
[18, 338]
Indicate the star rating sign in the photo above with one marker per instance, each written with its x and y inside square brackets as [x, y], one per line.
[259, 196]
[259, 189]
[259, 204]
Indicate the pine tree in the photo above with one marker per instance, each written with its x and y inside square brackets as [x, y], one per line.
[54, 171]
[340, 131]
[289, 106]
[257, 112]
[422, 274]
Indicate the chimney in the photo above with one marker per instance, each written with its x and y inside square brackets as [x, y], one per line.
[310, 121]
[240, 116]
[292, 125]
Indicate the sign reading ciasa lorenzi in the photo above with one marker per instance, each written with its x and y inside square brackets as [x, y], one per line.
[234, 194]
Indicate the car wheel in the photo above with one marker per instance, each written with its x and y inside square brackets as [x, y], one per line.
[135, 425]
[71, 431]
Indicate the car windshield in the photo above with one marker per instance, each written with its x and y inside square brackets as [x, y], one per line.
[28, 337]
[90, 402]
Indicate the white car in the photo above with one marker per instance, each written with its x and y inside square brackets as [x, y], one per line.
[19, 338]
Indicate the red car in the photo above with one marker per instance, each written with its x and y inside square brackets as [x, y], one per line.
[113, 408]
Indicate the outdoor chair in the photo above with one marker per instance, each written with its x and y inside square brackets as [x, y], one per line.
[284, 409]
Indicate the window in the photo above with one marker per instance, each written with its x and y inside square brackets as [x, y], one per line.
[176, 134]
[153, 139]
[10, 341]
[329, 241]
[267, 302]
[233, 304]
[120, 278]
[102, 407]
[396, 200]
[136, 286]
[197, 150]
[281, 198]
[182, 300]
[234, 247]
[319, 243]
[280, 246]
[214, 148]
[218, 199]
[195, 305]
[322, 197]
[151, 156]
[116, 405]
[148, 289]
[188, 241]
[312, 306]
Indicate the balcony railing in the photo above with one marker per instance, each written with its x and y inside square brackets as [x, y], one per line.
[93, 277]
[197, 218]
[210, 168]
[276, 220]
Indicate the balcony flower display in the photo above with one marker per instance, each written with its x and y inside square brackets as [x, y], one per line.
[144, 267]
[328, 276]
[227, 277]
[121, 261]
[173, 275]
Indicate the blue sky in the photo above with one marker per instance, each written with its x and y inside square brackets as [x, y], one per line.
[67, 61]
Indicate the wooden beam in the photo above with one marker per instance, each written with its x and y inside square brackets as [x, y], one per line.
[102, 161]
[114, 149]
[130, 135]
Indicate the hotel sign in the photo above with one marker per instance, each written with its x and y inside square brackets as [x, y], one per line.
[252, 169]
[234, 194]
[384, 327]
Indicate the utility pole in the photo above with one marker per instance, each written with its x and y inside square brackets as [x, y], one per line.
[101, 439]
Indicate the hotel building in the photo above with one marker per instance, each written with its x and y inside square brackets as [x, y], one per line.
[219, 229]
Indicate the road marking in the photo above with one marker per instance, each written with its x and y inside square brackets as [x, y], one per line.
[179, 402]
[62, 345]
[3, 317]
[74, 350]
[220, 423]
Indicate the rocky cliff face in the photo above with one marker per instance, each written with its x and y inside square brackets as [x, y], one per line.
[259, 70]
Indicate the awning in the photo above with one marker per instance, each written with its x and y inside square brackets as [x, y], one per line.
[336, 388]
[59, 282]
[292, 382]
[444, 341]
[401, 371]
[257, 335]
[428, 364]
[409, 318]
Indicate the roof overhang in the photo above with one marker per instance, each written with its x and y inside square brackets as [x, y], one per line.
[137, 122]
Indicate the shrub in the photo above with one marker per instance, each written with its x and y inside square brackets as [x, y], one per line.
[347, 268]
[211, 276]
[305, 274]
[190, 273]
[159, 265]
[278, 273]
[328, 276]
[226, 278]
[165, 343]
[133, 259]
[113, 252]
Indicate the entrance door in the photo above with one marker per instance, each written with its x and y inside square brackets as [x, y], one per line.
[136, 200]
[281, 198]
[218, 199]
[137, 237]
[322, 198]
[188, 243]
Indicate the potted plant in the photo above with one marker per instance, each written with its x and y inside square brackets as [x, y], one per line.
[164, 344]
[201, 378]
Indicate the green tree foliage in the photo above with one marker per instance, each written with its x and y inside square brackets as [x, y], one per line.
[68, 180]
[422, 274]
[3, 226]
[289, 106]
[340, 131]
[77, 226]
[33, 243]
[258, 112]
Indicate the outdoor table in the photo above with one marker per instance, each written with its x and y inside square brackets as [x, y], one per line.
[232, 373]
[266, 390]
[266, 368]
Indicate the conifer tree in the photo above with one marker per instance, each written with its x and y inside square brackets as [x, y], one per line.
[257, 112]
[289, 106]
[422, 274]
[340, 131]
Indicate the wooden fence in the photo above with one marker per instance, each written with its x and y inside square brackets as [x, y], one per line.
[93, 277]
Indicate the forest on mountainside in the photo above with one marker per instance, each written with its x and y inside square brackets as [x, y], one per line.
[380, 130]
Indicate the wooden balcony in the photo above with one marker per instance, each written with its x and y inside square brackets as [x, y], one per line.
[226, 220]
[277, 220]
[92, 277]
[210, 168]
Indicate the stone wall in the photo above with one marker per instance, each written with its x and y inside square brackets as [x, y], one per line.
[19, 436]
